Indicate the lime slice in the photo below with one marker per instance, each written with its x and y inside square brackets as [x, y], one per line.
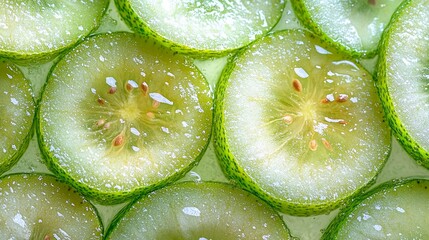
[203, 28]
[202, 210]
[395, 210]
[298, 124]
[353, 26]
[403, 76]
[17, 110]
[121, 116]
[36, 206]
[41, 29]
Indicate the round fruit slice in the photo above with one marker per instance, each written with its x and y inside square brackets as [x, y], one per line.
[202, 210]
[17, 110]
[352, 26]
[203, 28]
[41, 29]
[36, 206]
[403, 78]
[394, 210]
[120, 116]
[298, 124]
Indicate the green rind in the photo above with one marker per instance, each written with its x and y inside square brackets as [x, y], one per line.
[96, 195]
[137, 24]
[54, 177]
[303, 15]
[117, 219]
[338, 222]
[413, 148]
[37, 57]
[238, 174]
[305, 18]
[8, 164]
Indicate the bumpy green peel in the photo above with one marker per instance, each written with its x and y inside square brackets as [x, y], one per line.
[402, 78]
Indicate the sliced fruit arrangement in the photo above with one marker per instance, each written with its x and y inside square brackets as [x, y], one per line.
[394, 210]
[121, 115]
[17, 109]
[39, 206]
[198, 210]
[402, 75]
[354, 27]
[299, 124]
[203, 28]
[41, 29]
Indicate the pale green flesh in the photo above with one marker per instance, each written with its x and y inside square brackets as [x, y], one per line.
[81, 122]
[34, 27]
[200, 211]
[407, 70]
[16, 113]
[214, 25]
[38, 206]
[307, 147]
[357, 24]
[398, 212]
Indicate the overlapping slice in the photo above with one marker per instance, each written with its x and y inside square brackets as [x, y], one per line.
[202, 28]
[299, 124]
[17, 110]
[40, 29]
[121, 115]
[39, 206]
[395, 210]
[203, 210]
[403, 78]
[353, 26]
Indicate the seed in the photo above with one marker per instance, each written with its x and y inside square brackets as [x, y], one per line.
[100, 122]
[288, 119]
[326, 144]
[325, 100]
[47, 237]
[145, 88]
[342, 121]
[342, 98]
[297, 85]
[312, 145]
[129, 87]
[112, 90]
[119, 140]
[101, 101]
[155, 104]
[372, 2]
[151, 115]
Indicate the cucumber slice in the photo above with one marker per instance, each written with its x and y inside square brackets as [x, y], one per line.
[202, 28]
[202, 210]
[298, 124]
[402, 75]
[41, 29]
[39, 206]
[353, 26]
[17, 110]
[394, 210]
[121, 116]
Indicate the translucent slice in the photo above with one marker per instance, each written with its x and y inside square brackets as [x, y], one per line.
[202, 27]
[35, 29]
[36, 206]
[354, 26]
[17, 110]
[299, 124]
[395, 210]
[403, 77]
[120, 116]
[192, 210]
